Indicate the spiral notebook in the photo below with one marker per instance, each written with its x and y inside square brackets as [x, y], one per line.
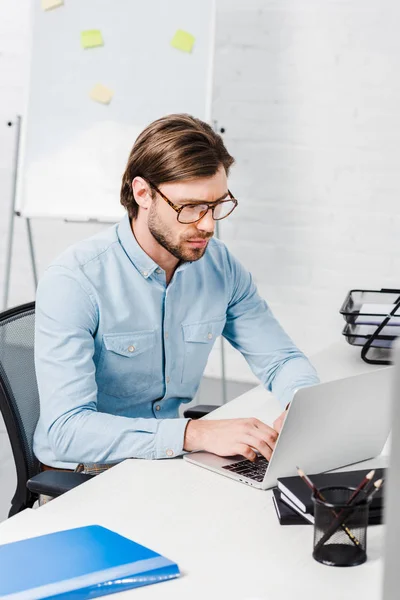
[78, 563]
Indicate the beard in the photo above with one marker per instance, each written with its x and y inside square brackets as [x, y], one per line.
[163, 235]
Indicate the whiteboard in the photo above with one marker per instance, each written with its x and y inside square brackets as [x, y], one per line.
[74, 150]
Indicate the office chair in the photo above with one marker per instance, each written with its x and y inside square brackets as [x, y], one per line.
[196, 412]
[19, 406]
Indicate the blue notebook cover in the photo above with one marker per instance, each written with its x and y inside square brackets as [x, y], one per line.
[81, 563]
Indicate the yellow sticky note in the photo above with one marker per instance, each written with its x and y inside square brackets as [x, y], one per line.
[101, 93]
[183, 40]
[49, 4]
[91, 38]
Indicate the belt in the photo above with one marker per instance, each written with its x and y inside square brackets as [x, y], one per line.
[47, 468]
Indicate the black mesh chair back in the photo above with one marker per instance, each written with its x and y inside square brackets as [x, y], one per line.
[19, 397]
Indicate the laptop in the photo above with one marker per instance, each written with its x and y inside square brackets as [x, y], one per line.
[329, 425]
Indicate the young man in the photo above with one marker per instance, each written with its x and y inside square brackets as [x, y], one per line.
[125, 321]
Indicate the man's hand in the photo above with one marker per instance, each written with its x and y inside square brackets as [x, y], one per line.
[229, 437]
[278, 423]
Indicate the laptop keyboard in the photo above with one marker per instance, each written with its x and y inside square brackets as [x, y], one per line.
[253, 470]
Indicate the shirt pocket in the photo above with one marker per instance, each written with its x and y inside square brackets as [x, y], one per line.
[199, 339]
[126, 365]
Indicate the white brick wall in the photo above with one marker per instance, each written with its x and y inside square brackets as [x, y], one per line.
[309, 94]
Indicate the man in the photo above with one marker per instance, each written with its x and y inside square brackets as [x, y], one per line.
[125, 321]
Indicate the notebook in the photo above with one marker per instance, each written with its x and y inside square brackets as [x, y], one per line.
[374, 514]
[297, 491]
[286, 514]
[78, 563]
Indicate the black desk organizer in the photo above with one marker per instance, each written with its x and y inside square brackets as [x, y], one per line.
[374, 337]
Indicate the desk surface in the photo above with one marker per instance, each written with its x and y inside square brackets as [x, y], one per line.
[225, 536]
[340, 359]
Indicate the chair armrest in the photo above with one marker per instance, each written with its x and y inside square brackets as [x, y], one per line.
[195, 412]
[55, 483]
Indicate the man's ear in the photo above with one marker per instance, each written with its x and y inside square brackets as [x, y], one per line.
[141, 192]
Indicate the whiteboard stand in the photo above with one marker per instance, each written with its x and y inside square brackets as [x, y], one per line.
[223, 369]
[13, 214]
[31, 251]
[218, 130]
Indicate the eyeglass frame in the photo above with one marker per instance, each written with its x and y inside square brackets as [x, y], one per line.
[178, 209]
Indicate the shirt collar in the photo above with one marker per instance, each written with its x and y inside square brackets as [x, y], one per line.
[142, 261]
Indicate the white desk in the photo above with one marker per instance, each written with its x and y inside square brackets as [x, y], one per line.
[340, 359]
[225, 536]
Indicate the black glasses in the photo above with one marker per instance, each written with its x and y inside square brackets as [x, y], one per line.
[191, 213]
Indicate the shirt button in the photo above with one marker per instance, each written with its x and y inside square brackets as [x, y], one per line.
[131, 349]
[158, 407]
[145, 273]
[168, 380]
[166, 335]
[169, 452]
[209, 336]
[158, 271]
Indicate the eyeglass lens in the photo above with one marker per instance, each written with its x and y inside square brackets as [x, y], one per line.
[190, 214]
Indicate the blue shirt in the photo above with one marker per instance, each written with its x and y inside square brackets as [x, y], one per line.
[117, 351]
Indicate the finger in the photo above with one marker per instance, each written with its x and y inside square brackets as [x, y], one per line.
[268, 431]
[246, 451]
[260, 445]
[277, 424]
[262, 439]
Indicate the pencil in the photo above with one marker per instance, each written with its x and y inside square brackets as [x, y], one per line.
[345, 513]
[361, 486]
[320, 496]
[368, 487]
[377, 485]
[310, 484]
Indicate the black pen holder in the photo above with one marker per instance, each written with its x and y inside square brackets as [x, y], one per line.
[340, 530]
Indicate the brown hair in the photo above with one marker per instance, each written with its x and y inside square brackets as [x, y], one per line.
[173, 148]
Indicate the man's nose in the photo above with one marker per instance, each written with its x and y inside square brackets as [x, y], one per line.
[207, 223]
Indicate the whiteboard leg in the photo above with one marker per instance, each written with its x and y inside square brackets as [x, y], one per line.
[10, 235]
[32, 252]
[223, 363]
[223, 370]
[10, 238]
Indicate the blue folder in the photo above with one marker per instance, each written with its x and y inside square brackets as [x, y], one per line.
[81, 563]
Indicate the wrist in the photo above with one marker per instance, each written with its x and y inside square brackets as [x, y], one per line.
[193, 436]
